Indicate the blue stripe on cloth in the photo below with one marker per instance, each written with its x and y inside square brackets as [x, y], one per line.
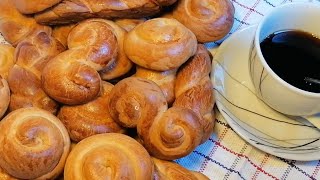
[192, 161]
[269, 3]
[219, 164]
[292, 164]
[242, 22]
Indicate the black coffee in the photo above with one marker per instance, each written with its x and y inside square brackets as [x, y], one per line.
[295, 57]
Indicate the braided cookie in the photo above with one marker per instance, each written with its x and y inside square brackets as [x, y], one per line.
[31, 55]
[6, 59]
[14, 26]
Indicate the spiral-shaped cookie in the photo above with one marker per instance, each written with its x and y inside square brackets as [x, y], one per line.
[4, 96]
[165, 133]
[34, 144]
[167, 170]
[91, 118]
[6, 59]
[5, 176]
[209, 20]
[160, 44]
[108, 156]
[31, 55]
[72, 77]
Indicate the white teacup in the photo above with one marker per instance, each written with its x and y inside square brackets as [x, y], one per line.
[274, 91]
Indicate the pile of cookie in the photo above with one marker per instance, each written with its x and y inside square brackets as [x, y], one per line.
[106, 89]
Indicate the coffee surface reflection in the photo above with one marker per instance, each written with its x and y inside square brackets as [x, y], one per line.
[295, 57]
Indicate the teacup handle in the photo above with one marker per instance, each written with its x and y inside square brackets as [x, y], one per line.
[314, 119]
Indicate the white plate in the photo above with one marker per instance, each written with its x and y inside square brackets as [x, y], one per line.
[254, 121]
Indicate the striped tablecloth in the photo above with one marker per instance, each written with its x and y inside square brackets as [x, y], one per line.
[225, 155]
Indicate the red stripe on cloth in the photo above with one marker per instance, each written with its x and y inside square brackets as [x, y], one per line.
[316, 170]
[265, 159]
[248, 14]
[220, 138]
[246, 157]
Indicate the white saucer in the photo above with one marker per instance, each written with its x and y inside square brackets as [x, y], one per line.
[254, 121]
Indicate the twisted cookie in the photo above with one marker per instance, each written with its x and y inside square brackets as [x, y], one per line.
[91, 118]
[72, 77]
[120, 66]
[74, 10]
[194, 89]
[33, 144]
[160, 44]
[4, 96]
[108, 156]
[166, 133]
[209, 20]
